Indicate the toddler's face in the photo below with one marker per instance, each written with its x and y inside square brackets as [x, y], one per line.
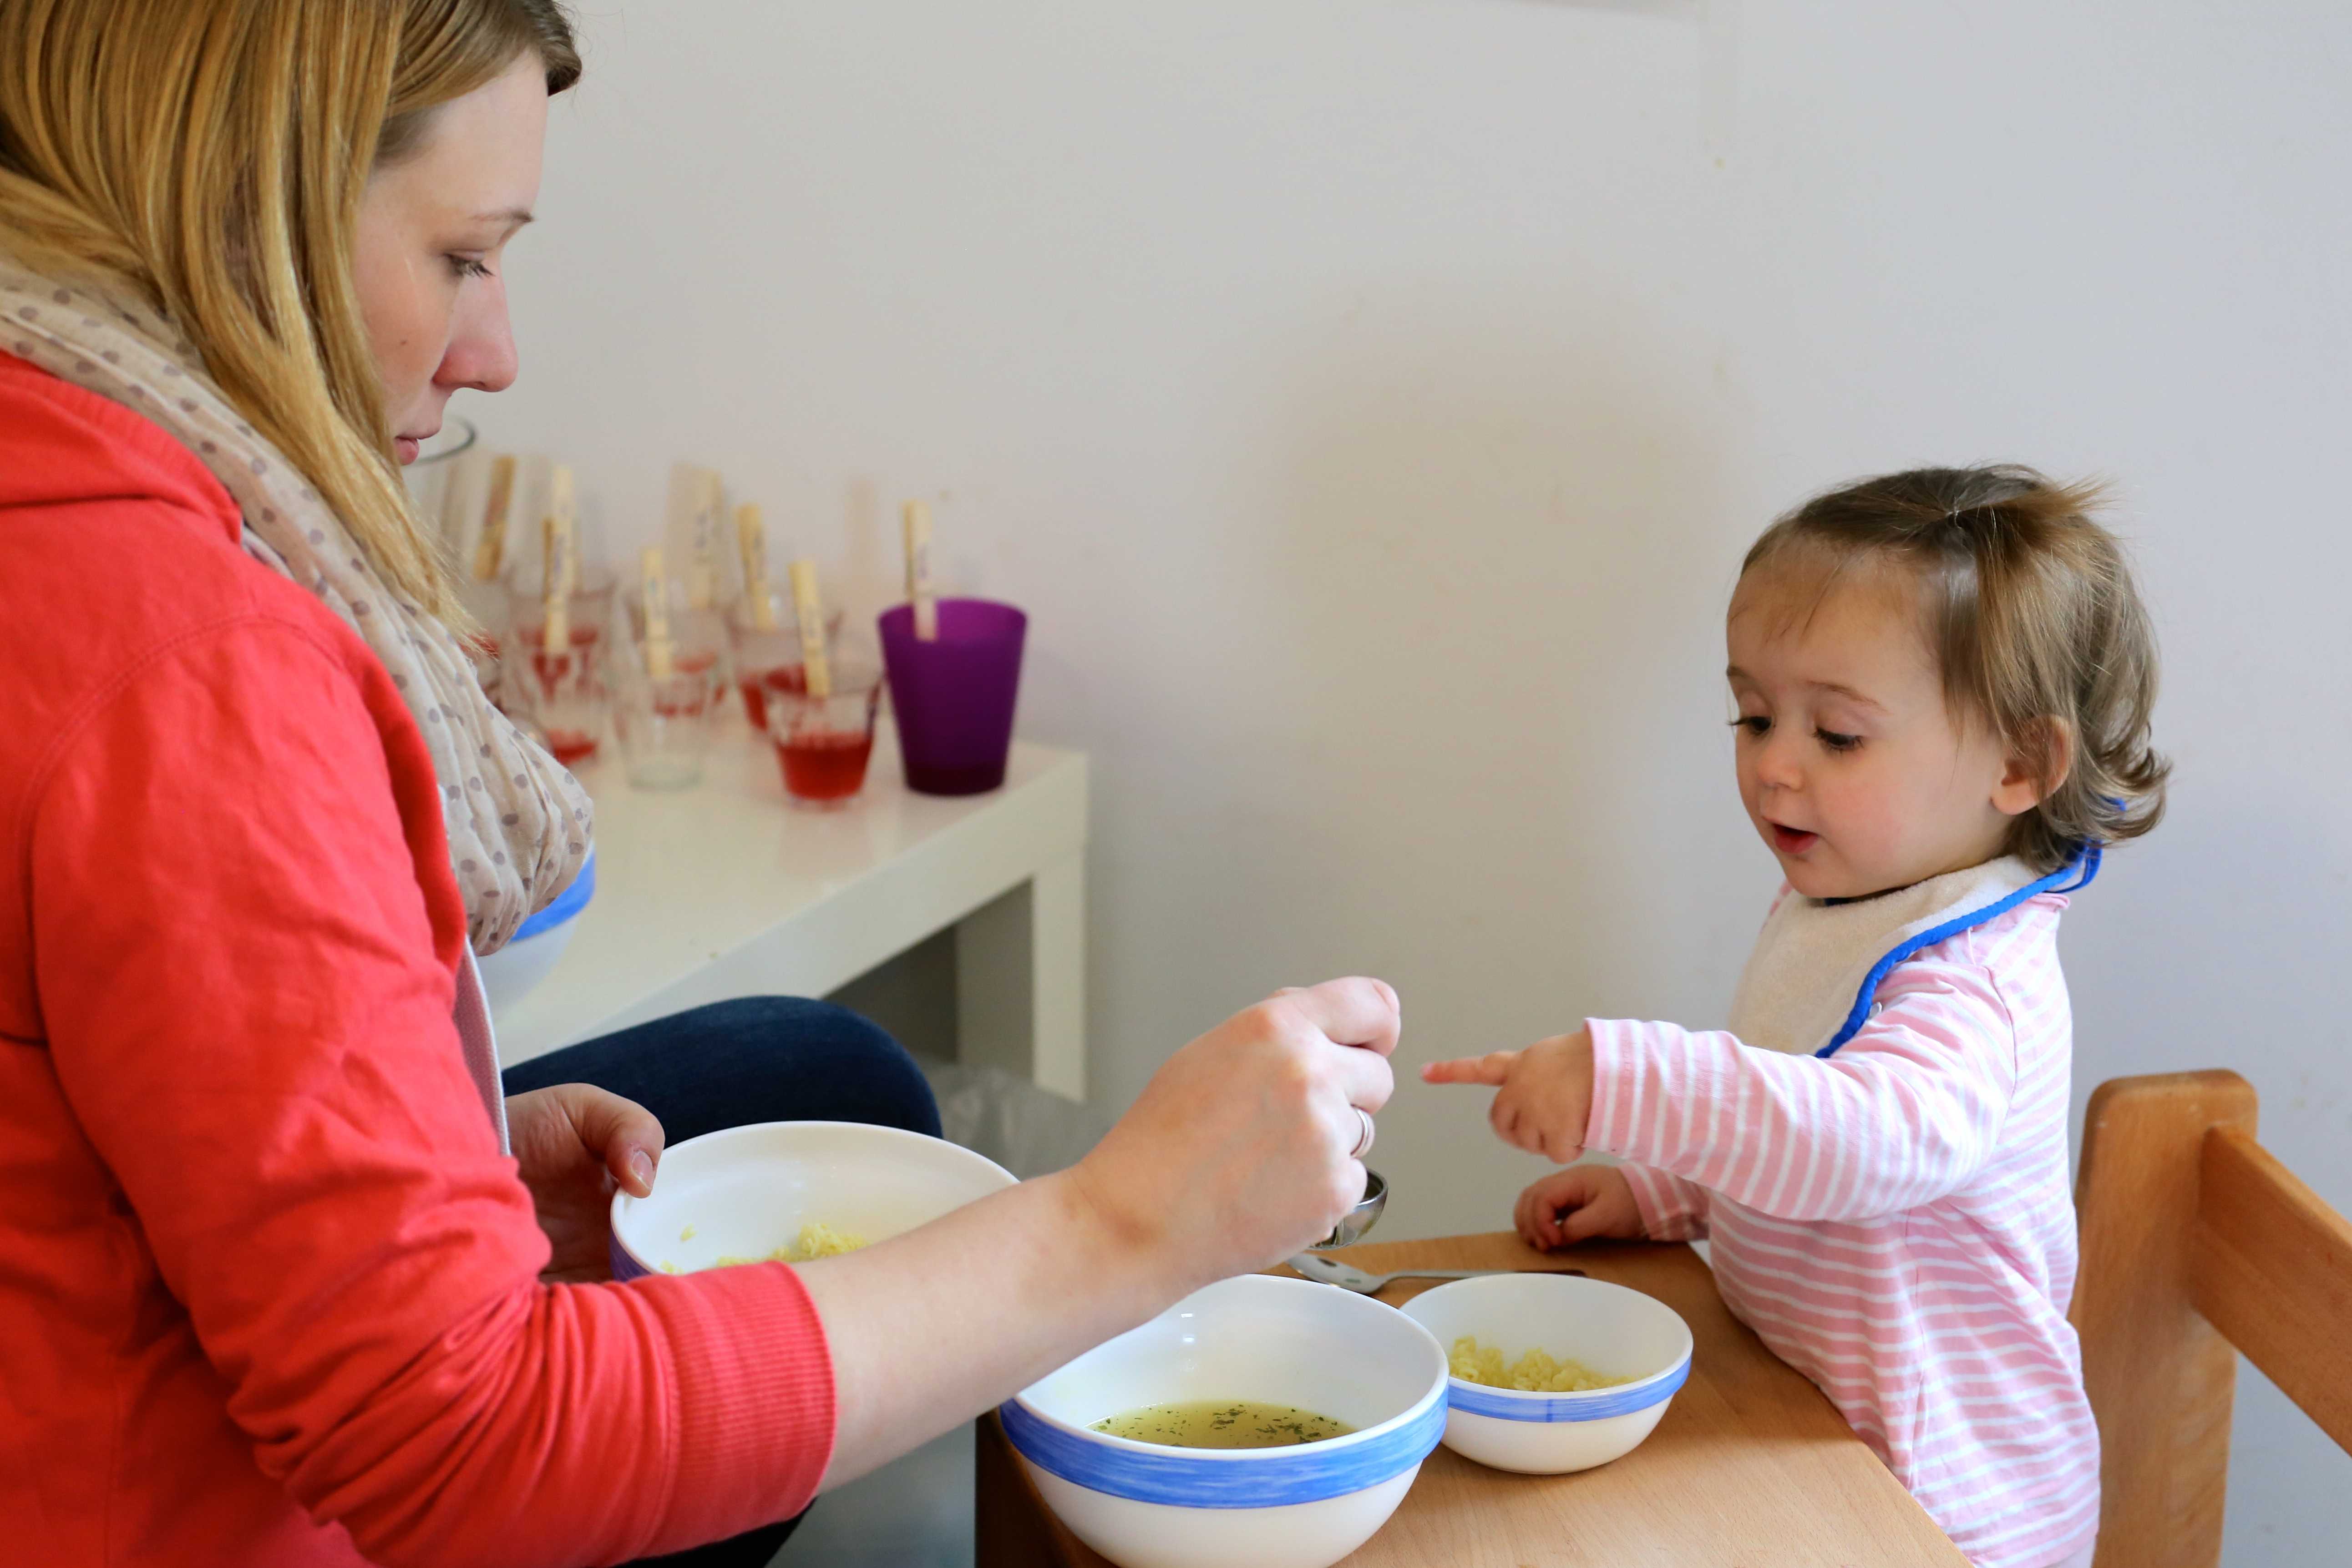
[1853, 770]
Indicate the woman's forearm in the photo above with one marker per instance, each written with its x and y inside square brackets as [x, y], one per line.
[931, 1328]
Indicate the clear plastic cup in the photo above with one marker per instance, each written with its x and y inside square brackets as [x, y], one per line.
[697, 638]
[664, 723]
[487, 601]
[823, 744]
[565, 691]
[769, 658]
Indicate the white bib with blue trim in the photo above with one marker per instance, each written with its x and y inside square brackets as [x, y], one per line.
[1802, 984]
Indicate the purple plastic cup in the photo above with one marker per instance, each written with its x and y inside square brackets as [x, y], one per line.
[954, 695]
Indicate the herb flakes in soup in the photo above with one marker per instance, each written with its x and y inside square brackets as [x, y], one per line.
[1222, 1424]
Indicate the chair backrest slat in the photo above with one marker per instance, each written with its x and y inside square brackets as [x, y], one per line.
[2273, 1271]
[2159, 1375]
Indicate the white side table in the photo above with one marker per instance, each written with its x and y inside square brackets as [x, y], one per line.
[724, 891]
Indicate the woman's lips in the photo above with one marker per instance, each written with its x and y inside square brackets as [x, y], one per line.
[1792, 840]
[405, 448]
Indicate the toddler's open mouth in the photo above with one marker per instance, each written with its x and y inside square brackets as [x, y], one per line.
[1792, 840]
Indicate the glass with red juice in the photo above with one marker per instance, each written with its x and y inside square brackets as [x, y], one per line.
[823, 744]
[768, 657]
[562, 690]
[698, 636]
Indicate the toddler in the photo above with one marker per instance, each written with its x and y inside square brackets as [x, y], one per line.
[1943, 680]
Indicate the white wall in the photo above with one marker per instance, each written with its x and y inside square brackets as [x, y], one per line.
[1369, 403]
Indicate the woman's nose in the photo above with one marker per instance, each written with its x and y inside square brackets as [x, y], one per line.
[481, 344]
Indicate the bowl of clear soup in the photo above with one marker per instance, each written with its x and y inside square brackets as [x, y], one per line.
[1260, 1422]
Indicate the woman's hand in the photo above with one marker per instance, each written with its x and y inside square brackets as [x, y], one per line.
[1577, 1205]
[575, 1143]
[1546, 1093]
[1240, 1151]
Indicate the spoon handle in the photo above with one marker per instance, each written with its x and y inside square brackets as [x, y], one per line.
[1474, 1273]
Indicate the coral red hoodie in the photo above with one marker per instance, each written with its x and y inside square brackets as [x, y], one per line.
[268, 1291]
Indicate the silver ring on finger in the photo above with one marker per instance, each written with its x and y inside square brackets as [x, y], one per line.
[1364, 1141]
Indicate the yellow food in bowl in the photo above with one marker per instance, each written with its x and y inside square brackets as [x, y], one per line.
[1535, 1373]
[816, 1240]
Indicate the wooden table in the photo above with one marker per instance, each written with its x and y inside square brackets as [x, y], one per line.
[724, 891]
[1750, 1466]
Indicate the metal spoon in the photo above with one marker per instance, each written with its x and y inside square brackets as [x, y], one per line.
[1331, 1271]
[1360, 1218]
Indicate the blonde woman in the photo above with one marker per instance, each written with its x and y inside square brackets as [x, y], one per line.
[285, 1278]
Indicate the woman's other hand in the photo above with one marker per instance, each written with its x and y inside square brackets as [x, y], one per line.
[575, 1144]
[1240, 1150]
[1577, 1205]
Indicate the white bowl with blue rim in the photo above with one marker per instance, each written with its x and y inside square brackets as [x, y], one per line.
[745, 1192]
[1277, 1342]
[511, 972]
[1615, 1331]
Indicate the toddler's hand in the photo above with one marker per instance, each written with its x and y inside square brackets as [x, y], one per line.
[1546, 1093]
[1576, 1205]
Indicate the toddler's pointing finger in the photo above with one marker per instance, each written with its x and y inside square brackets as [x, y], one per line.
[1491, 1069]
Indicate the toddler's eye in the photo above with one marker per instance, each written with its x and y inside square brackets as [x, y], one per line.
[1752, 723]
[1835, 741]
[470, 267]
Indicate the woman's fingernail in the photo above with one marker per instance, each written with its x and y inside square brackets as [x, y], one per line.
[641, 1165]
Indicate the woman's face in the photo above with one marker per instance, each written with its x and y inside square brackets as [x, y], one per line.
[432, 240]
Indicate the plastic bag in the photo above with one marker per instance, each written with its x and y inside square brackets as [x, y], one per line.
[1027, 1130]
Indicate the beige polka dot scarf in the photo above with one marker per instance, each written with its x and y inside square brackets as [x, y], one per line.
[518, 821]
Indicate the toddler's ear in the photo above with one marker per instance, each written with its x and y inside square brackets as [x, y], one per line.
[2040, 759]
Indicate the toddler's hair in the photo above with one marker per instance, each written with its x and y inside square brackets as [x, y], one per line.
[2033, 618]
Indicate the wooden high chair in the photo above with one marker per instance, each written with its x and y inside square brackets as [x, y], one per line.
[2194, 1241]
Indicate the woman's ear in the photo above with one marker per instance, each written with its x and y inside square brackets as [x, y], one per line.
[2040, 760]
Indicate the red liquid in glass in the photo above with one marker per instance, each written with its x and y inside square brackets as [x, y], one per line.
[790, 678]
[571, 747]
[824, 765]
[536, 637]
[554, 672]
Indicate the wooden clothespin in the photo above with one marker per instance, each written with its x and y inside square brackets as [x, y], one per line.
[661, 652]
[810, 608]
[559, 533]
[489, 549]
[702, 567]
[751, 537]
[919, 592]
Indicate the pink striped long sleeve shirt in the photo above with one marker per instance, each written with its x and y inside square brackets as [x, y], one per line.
[1895, 1221]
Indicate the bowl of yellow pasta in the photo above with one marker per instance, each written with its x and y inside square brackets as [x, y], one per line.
[790, 1192]
[1552, 1372]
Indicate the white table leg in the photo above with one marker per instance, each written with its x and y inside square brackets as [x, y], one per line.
[1057, 959]
[1021, 980]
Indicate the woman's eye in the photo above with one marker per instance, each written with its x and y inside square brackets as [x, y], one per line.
[1835, 741]
[1752, 723]
[470, 267]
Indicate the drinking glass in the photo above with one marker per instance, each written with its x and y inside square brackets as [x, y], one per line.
[823, 743]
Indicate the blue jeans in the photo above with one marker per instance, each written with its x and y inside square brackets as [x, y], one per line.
[759, 1058]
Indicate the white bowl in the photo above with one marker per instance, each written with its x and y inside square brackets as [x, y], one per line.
[746, 1191]
[1281, 1342]
[1614, 1331]
[516, 969]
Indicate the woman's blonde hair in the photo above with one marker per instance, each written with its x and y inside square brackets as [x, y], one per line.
[2035, 623]
[210, 155]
